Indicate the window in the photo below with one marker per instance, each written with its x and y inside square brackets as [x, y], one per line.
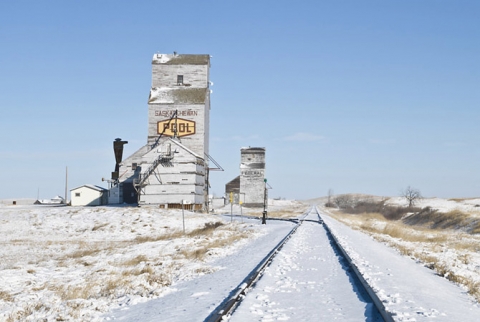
[179, 79]
[77, 194]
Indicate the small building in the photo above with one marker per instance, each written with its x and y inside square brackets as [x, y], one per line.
[88, 195]
[57, 200]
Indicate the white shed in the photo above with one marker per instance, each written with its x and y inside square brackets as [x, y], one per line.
[88, 195]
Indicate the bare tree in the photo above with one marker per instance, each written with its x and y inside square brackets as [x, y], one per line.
[330, 196]
[412, 195]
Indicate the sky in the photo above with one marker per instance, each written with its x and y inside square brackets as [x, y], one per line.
[353, 96]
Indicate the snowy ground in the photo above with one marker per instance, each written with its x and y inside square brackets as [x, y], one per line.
[409, 290]
[136, 264]
[307, 281]
[471, 205]
[452, 252]
[76, 263]
[194, 300]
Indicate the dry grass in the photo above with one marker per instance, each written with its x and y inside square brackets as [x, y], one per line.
[20, 314]
[135, 261]
[282, 214]
[74, 292]
[452, 220]
[100, 226]
[83, 252]
[174, 234]
[219, 241]
[6, 297]
[462, 243]
[474, 289]
[140, 274]
[433, 231]
[206, 230]
[163, 278]
[378, 225]
[23, 313]
[146, 269]
[475, 229]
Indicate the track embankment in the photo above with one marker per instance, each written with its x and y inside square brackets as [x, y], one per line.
[306, 277]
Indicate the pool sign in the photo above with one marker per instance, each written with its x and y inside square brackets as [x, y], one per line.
[181, 126]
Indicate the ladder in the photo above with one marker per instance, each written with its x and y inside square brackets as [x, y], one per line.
[163, 158]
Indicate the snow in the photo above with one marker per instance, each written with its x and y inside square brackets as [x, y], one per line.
[112, 263]
[80, 262]
[161, 58]
[161, 95]
[409, 290]
[307, 281]
[194, 300]
[444, 205]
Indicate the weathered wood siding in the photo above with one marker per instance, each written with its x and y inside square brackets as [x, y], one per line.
[252, 175]
[197, 142]
[184, 178]
[193, 75]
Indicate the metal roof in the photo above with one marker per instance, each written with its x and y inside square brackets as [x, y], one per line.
[90, 186]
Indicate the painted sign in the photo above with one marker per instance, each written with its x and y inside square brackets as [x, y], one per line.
[181, 126]
[253, 173]
[170, 113]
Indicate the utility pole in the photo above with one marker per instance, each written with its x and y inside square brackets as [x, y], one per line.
[240, 202]
[231, 206]
[264, 214]
[183, 215]
[66, 185]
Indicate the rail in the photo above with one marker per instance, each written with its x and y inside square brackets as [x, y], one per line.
[387, 317]
[228, 306]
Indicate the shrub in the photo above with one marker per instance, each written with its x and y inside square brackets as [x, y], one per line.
[389, 212]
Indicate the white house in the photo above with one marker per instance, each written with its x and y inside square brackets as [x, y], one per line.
[88, 195]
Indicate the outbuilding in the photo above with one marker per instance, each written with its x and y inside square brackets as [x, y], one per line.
[89, 195]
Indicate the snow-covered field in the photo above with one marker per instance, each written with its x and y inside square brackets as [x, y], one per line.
[131, 264]
[450, 248]
[76, 263]
[470, 205]
[408, 290]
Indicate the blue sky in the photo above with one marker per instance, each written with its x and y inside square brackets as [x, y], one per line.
[354, 96]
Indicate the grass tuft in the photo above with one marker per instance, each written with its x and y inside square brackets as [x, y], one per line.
[135, 261]
[6, 297]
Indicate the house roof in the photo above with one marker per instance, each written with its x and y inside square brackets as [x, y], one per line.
[90, 186]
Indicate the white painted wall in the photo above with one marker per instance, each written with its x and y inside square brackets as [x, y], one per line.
[87, 197]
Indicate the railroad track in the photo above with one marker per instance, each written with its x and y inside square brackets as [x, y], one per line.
[312, 218]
